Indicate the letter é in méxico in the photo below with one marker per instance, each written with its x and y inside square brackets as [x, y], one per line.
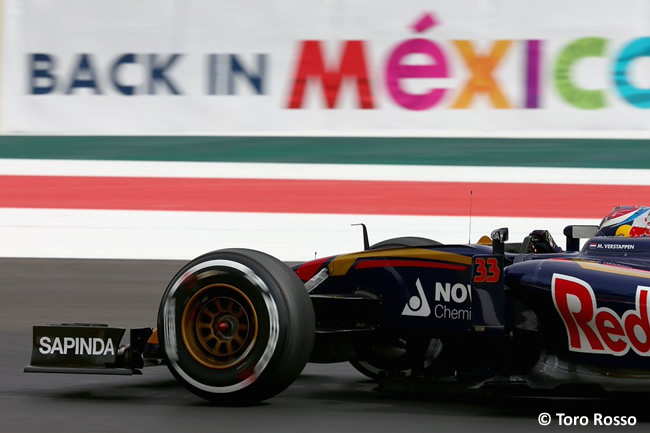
[600, 330]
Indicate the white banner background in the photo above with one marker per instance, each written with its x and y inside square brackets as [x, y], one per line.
[64, 29]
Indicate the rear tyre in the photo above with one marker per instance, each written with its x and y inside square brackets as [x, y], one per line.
[407, 241]
[236, 326]
[395, 356]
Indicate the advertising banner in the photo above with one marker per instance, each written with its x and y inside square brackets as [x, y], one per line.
[362, 67]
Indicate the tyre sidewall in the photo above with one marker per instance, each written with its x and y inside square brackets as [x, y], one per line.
[254, 375]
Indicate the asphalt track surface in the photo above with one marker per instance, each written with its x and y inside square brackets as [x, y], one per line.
[326, 398]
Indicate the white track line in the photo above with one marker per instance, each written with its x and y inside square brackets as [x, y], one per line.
[588, 176]
[184, 235]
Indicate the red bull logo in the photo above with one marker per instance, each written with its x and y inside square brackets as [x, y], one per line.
[600, 330]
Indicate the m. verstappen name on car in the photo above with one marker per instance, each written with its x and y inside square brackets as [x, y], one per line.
[599, 330]
[611, 246]
[458, 293]
[76, 346]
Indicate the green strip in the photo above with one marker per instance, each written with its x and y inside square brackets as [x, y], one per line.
[337, 150]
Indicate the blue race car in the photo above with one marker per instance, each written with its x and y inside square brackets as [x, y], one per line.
[237, 326]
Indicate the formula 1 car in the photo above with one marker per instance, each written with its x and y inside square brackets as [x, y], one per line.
[237, 326]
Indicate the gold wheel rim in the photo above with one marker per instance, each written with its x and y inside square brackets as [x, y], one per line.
[219, 326]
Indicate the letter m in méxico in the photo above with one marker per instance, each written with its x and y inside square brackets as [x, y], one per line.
[312, 66]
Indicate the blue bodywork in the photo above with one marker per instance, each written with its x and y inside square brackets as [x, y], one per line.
[547, 319]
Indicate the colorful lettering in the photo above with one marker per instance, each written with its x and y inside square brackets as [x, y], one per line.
[312, 66]
[396, 70]
[482, 68]
[533, 78]
[570, 55]
[632, 94]
[131, 73]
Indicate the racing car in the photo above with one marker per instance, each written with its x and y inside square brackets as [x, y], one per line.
[237, 326]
